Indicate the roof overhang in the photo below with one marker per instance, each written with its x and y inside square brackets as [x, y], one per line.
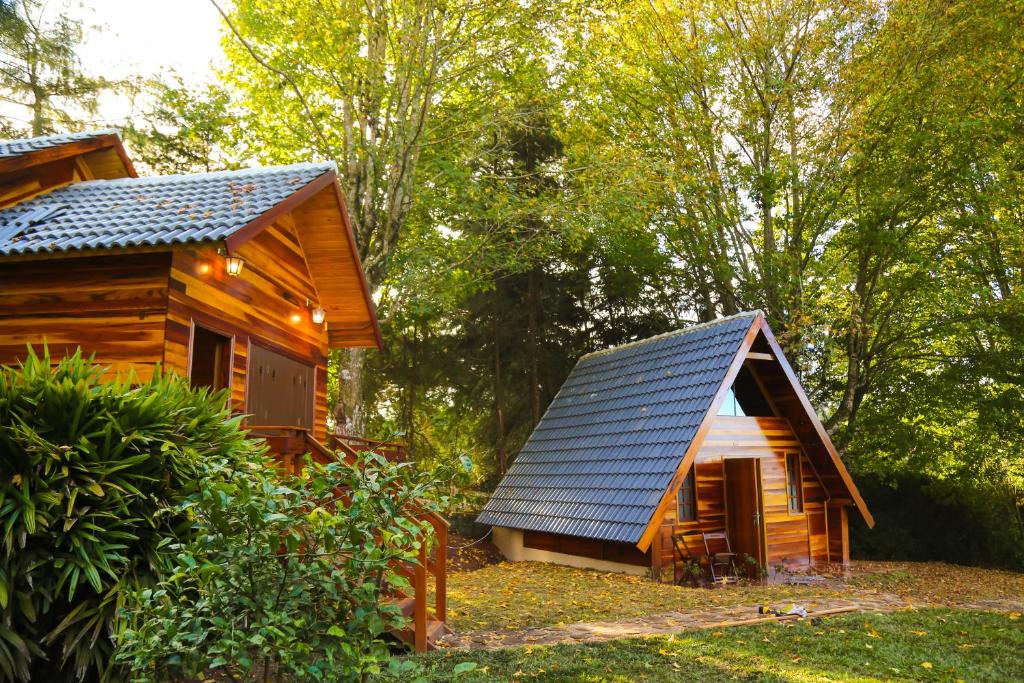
[325, 233]
[106, 142]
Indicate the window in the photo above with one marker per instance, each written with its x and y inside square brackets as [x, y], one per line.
[688, 498]
[731, 406]
[210, 359]
[745, 398]
[794, 487]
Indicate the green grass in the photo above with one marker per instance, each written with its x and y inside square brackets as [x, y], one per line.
[929, 645]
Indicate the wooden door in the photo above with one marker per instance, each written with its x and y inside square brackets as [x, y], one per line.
[743, 506]
[280, 392]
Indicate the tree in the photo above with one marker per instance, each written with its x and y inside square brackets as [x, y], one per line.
[186, 131]
[40, 69]
[360, 83]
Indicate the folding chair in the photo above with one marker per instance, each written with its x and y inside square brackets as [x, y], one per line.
[722, 563]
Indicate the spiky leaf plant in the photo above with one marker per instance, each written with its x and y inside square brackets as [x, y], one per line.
[93, 469]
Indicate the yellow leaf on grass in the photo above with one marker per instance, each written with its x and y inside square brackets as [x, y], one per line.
[1015, 615]
[926, 665]
[920, 633]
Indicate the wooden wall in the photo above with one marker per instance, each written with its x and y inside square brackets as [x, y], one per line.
[793, 539]
[111, 306]
[608, 551]
[266, 305]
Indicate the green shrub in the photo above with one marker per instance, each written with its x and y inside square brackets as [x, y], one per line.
[92, 474]
[285, 575]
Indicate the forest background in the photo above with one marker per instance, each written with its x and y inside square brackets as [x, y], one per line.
[531, 180]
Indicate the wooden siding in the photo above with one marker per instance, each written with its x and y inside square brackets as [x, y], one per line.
[793, 539]
[265, 305]
[608, 551]
[111, 306]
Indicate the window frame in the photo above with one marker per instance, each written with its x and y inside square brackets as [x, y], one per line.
[794, 477]
[688, 486]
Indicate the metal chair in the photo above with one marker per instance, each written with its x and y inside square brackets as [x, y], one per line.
[722, 564]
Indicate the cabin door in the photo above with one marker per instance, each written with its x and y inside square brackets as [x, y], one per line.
[744, 509]
[280, 390]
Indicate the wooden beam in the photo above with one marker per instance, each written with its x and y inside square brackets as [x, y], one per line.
[758, 355]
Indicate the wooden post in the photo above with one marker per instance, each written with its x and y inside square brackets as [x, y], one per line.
[419, 619]
[441, 572]
[656, 555]
[844, 515]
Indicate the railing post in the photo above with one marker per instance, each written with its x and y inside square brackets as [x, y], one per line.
[419, 619]
[441, 571]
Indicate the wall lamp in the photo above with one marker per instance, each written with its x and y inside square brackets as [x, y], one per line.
[233, 265]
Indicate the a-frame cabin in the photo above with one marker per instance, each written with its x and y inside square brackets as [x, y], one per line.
[705, 429]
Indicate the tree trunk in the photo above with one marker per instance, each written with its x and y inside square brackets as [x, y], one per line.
[499, 389]
[532, 340]
[350, 411]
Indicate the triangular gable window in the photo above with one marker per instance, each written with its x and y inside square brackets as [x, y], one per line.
[745, 399]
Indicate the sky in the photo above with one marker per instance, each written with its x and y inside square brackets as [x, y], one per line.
[147, 38]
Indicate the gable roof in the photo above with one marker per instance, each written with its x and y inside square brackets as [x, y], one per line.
[149, 211]
[16, 148]
[601, 458]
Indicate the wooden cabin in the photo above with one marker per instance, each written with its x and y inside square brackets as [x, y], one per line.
[240, 280]
[650, 445]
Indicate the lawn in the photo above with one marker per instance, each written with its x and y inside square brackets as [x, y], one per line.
[930, 645]
[524, 594]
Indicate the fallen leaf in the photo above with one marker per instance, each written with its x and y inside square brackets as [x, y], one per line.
[926, 665]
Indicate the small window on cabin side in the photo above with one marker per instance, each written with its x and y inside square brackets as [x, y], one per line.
[794, 483]
[688, 498]
[210, 359]
[745, 398]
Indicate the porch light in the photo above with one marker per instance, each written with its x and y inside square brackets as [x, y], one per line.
[296, 318]
[233, 265]
[318, 315]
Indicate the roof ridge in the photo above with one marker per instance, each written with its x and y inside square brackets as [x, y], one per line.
[80, 135]
[250, 170]
[674, 333]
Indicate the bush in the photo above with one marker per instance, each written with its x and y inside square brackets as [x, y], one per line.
[285, 575]
[922, 519]
[92, 476]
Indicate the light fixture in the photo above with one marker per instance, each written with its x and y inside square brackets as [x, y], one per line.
[296, 318]
[204, 268]
[318, 315]
[233, 265]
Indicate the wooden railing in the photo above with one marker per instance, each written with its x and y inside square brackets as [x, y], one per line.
[289, 445]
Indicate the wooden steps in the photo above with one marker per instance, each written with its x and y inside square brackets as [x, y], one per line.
[435, 628]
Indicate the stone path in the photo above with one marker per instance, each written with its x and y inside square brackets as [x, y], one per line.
[660, 624]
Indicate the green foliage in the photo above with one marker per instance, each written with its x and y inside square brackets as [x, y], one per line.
[185, 131]
[92, 472]
[41, 71]
[288, 575]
